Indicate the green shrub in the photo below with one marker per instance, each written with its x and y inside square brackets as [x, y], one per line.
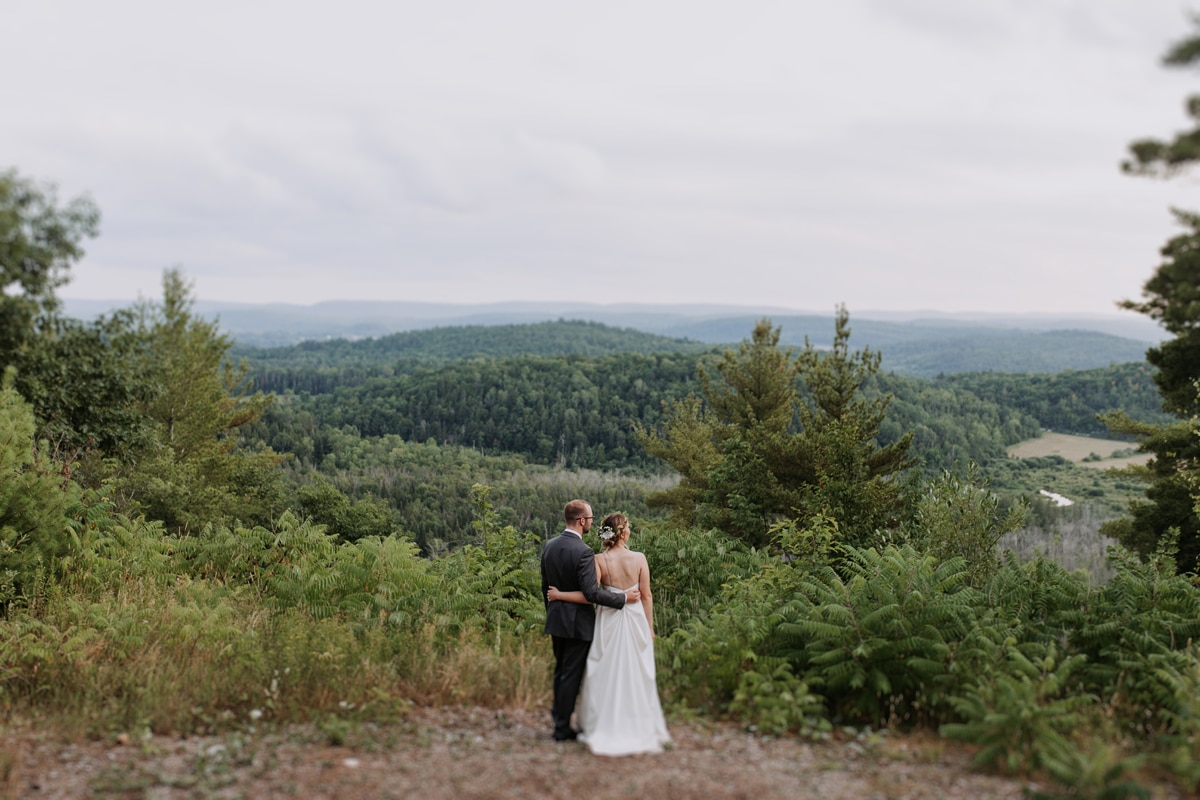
[38, 504]
[688, 569]
[775, 701]
[701, 663]
[877, 642]
[1021, 719]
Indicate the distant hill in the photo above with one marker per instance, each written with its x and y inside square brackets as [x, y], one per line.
[925, 343]
[1014, 351]
[559, 338]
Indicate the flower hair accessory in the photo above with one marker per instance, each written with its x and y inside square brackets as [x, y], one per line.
[607, 533]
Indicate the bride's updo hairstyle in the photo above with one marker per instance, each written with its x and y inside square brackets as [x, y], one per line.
[613, 523]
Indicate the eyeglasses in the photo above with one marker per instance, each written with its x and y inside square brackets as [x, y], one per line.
[587, 517]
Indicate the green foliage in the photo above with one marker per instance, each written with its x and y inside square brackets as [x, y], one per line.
[1163, 159]
[501, 576]
[38, 504]
[296, 367]
[1035, 602]
[39, 241]
[1069, 401]
[566, 410]
[812, 547]
[530, 405]
[1171, 297]
[701, 663]
[86, 392]
[757, 451]
[1097, 771]
[850, 475]
[348, 520]
[958, 517]
[428, 488]
[194, 474]
[1168, 504]
[1146, 611]
[877, 642]
[1182, 716]
[689, 569]
[1022, 718]
[1005, 353]
[776, 702]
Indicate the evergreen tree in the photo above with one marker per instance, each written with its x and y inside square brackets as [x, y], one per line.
[1172, 297]
[756, 451]
[845, 472]
[194, 473]
[38, 501]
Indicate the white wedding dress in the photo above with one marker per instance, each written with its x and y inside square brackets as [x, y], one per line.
[620, 713]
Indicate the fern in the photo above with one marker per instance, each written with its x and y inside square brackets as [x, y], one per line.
[1021, 718]
[1141, 621]
[878, 640]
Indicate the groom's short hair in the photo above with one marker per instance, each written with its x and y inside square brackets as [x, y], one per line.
[576, 509]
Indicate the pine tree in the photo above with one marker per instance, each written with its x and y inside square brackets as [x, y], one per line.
[846, 474]
[1172, 298]
[194, 473]
[755, 450]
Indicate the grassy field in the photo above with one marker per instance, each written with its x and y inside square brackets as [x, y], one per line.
[1084, 450]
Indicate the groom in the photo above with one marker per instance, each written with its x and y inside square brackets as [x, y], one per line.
[570, 565]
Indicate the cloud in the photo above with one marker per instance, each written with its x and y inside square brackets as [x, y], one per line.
[885, 153]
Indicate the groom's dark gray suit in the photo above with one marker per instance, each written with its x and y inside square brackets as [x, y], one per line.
[569, 564]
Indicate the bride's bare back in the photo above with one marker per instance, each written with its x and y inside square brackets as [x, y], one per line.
[622, 568]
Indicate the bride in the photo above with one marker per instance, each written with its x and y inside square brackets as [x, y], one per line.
[620, 713]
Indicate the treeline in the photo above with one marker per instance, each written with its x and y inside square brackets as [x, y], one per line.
[559, 338]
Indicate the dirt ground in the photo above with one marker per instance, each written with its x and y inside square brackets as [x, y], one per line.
[484, 753]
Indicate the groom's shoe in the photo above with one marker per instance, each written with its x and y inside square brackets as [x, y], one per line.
[568, 736]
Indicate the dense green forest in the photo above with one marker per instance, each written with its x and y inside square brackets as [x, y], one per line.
[410, 432]
[577, 410]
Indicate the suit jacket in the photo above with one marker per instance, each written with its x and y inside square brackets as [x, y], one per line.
[570, 565]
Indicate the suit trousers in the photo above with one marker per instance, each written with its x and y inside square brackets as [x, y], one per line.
[570, 662]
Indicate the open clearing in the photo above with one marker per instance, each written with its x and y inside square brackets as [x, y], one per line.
[1077, 448]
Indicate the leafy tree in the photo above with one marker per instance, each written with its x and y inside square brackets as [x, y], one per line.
[87, 391]
[348, 520]
[958, 517]
[72, 373]
[39, 241]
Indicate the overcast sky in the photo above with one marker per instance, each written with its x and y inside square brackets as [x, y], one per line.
[888, 154]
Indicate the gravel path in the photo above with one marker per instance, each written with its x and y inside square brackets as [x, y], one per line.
[484, 753]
